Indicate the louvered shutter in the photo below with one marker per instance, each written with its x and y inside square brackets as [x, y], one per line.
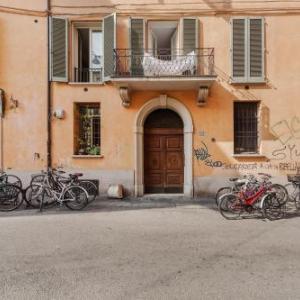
[247, 50]
[238, 51]
[109, 45]
[189, 34]
[137, 45]
[256, 49]
[59, 49]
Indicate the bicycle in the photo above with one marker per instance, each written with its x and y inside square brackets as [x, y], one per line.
[237, 184]
[72, 196]
[88, 185]
[263, 196]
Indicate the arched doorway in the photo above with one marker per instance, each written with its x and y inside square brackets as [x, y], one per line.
[163, 152]
[163, 102]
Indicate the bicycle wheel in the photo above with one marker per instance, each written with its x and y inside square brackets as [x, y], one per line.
[39, 178]
[272, 208]
[230, 206]
[33, 195]
[36, 193]
[11, 197]
[297, 200]
[292, 190]
[75, 197]
[222, 191]
[91, 189]
[11, 179]
[281, 193]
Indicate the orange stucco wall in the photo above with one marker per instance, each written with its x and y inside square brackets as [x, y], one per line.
[23, 77]
[23, 67]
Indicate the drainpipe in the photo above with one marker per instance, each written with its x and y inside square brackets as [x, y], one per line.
[1, 128]
[49, 102]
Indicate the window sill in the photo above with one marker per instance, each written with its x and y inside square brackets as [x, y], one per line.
[249, 155]
[87, 156]
[246, 82]
[85, 83]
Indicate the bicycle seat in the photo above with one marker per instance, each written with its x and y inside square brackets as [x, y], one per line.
[233, 179]
[240, 182]
[75, 175]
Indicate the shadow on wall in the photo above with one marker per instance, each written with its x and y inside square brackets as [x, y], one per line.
[266, 133]
[222, 6]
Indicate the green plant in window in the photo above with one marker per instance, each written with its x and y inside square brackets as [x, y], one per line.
[94, 150]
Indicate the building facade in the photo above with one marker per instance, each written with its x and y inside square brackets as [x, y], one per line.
[162, 97]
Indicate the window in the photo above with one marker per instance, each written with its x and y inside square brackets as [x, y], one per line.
[87, 129]
[88, 52]
[245, 127]
[247, 50]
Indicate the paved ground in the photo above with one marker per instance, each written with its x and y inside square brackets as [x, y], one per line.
[179, 250]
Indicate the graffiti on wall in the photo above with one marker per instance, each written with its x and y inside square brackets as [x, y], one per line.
[202, 154]
[287, 130]
[288, 152]
[292, 166]
[284, 157]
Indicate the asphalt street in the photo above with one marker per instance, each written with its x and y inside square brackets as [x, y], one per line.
[179, 252]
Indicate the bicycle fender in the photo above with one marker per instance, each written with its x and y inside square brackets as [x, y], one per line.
[263, 199]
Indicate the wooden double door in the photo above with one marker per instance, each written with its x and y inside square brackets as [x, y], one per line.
[163, 160]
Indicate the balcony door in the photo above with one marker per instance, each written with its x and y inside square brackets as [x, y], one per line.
[88, 53]
[163, 39]
[163, 152]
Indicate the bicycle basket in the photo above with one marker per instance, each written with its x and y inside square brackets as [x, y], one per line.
[293, 178]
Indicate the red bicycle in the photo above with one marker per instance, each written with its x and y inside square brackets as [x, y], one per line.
[256, 195]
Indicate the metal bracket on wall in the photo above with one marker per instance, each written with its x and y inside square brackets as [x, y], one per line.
[202, 95]
[125, 96]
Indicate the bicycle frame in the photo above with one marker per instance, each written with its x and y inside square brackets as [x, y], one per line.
[253, 199]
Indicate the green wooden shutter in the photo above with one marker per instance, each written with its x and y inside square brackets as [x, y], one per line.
[189, 34]
[137, 45]
[256, 49]
[238, 50]
[247, 49]
[109, 44]
[59, 49]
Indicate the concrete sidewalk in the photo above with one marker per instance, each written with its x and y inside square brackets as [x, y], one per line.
[103, 203]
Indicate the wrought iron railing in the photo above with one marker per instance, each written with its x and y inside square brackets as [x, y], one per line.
[88, 74]
[164, 63]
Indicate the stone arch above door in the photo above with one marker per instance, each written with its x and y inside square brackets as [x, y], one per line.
[164, 102]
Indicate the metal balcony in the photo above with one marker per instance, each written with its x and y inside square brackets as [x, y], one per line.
[164, 69]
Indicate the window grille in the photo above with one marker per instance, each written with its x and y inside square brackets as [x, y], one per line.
[89, 133]
[245, 127]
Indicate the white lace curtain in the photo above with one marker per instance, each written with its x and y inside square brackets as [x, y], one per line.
[157, 67]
